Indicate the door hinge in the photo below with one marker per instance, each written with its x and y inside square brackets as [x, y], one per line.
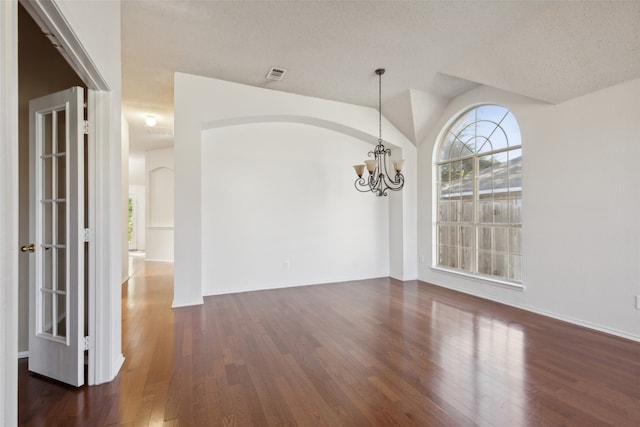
[87, 235]
[87, 343]
[85, 127]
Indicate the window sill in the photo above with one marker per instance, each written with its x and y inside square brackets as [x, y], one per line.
[484, 279]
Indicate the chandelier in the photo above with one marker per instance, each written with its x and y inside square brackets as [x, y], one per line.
[379, 181]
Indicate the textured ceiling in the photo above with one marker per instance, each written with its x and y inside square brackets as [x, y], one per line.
[551, 51]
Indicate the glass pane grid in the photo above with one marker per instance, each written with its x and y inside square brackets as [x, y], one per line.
[52, 302]
[480, 195]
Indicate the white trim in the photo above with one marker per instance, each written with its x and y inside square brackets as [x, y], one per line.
[8, 212]
[52, 22]
[485, 279]
[188, 304]
[23, 354]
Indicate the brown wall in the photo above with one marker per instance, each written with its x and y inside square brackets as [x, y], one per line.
[42, 70]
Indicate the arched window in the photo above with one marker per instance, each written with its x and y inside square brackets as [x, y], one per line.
[479, 195]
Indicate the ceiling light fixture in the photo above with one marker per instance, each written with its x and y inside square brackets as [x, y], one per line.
[151, 120]
[379, 180]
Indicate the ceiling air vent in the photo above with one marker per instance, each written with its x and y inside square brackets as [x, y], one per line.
[276, 73]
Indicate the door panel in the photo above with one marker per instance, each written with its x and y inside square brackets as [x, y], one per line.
[56, 216]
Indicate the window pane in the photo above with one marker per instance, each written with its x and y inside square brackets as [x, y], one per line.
[442, 255]
[515, 267]
[453, 257]
[453, 236]
[500, 173]
[486, 212]
[512, 130]
[499, 265]
[500, 239]
[514, 241]
[484, 238]
[515, 210]
[467, 211]
[501, 211]
[484, 262]
[466, 236]
[466, 261]
[443, 211]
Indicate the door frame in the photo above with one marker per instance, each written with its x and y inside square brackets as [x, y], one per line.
[104, 200]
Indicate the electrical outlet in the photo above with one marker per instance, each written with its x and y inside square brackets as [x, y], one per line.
[285, 264]
[637, 302]
[421, 259]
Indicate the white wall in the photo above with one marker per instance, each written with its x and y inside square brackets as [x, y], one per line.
[581, 180]
[137, 189]
[159, 167]
[279, 209]
[136, 168]
[203, 103]
[8, 213]
[124, 207]
[138, 192]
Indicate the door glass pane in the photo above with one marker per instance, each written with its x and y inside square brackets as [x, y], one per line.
[61, 269]
[61, 210]
[47, 222]
[61, 320]
[61, 131]
[47, 268]
[61, 177]
[47, 312]
[47, 173]
[47, 134]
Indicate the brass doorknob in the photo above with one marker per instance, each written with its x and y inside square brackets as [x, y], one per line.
[28, 248]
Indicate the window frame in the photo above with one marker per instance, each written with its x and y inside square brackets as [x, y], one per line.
[475, 224]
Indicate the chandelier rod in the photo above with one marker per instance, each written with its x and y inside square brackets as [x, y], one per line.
[380, 72]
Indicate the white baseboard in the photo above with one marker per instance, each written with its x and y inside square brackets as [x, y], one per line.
[23, 354]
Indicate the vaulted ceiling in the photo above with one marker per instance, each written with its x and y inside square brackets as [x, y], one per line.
[552, 51]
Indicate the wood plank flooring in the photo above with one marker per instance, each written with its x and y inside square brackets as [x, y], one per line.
[373, 352]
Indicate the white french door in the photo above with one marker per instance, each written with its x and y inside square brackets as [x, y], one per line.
[56, 217]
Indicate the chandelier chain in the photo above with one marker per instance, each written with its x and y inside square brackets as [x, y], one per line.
[380, 106]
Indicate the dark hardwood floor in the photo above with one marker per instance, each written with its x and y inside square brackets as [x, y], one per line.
[372, 352]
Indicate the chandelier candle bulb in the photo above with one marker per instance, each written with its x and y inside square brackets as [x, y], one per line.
[359, 170]
[371, 165]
